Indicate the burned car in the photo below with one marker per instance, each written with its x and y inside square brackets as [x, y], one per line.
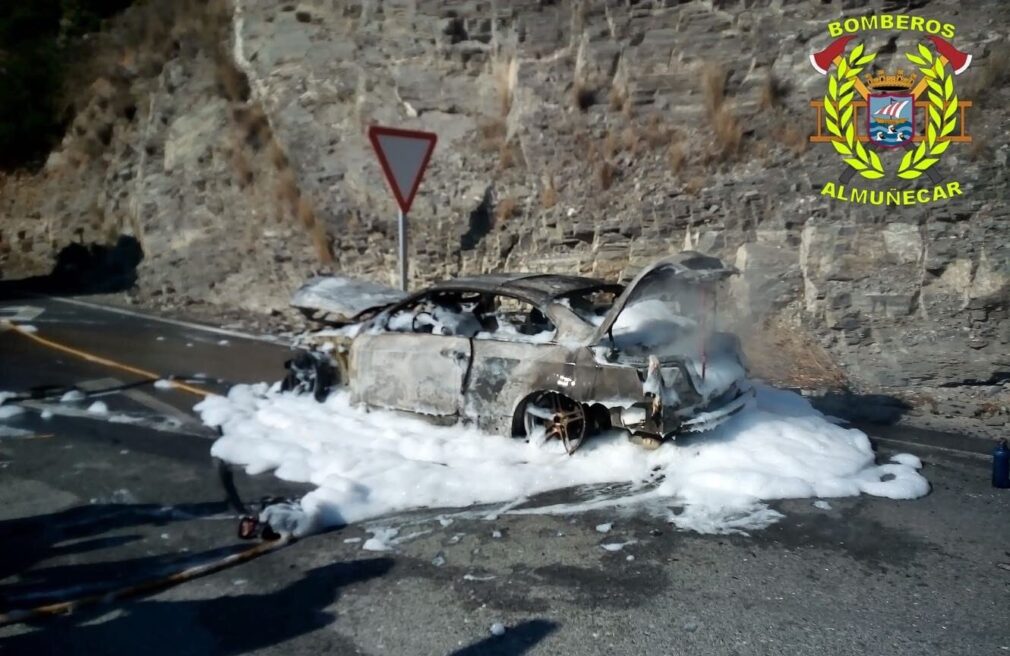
[526, 354]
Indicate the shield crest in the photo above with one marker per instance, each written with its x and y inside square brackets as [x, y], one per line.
[889, 119]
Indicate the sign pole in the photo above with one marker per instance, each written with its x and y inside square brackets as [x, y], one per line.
[403, 249]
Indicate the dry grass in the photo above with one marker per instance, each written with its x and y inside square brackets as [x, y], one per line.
[253, 125]
[306, 214]
[772, 92]
[278, 157]
[657, 133]
[322, 243]
[287, 192]
[794, 139]
[505, 73]
[713, 87]
[491, 135]
[618, 98]
[549, 193]
[610, 146]
[726, 128]
[676, 157]
[506, 156]
[232, 83]
[728, 133]
[243, 170]
[631, 139]
[694, 185]
[605, 174]
[505, 209]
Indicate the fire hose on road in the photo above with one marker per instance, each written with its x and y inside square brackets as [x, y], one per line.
[248, 526]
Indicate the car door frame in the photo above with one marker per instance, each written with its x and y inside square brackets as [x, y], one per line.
[408, 370]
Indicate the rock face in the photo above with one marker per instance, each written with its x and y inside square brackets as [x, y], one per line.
[585, 137]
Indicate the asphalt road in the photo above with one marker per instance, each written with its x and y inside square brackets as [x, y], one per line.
[94, 502]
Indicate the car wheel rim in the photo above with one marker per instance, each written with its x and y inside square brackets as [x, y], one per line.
[559, 417]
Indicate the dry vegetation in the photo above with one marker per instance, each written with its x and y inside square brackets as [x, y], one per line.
[726, 128]
[676, 157]
[505, 209]
[694, 185]
[549, 193]
[793, 138]
[605, 173]
[773, 91]
[505, 72]
[618, 99]
[657, 133]
[630, 139]
[490, 135]
[133, 54]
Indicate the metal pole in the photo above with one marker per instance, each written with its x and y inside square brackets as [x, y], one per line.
[403, 251]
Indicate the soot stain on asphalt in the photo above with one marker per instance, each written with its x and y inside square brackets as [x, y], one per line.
[846, 531]
[614, 587]
[536, 590]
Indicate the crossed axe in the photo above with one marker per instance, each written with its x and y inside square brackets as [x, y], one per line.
[823, 59]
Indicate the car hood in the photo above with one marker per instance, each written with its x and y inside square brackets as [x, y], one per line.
[344, 298]
[687, 266]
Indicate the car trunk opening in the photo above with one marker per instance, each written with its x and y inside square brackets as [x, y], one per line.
[669, 309]
[668, 314]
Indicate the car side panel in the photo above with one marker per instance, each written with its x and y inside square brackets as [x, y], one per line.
[409, 371]
[505, 372]
[615, 384]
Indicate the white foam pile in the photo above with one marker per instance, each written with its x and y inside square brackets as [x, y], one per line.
[368, 464]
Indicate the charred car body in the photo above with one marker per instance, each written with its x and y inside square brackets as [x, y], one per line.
[521, 353]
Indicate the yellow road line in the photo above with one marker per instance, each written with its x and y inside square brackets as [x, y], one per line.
[102, 361]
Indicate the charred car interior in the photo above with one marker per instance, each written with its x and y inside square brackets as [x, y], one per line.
[538, 356]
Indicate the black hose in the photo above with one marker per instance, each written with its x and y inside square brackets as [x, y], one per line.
[227, 478]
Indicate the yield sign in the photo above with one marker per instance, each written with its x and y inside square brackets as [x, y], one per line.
[404, 155]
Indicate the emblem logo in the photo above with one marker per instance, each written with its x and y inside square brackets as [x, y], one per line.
[889, 115]
[868, 113]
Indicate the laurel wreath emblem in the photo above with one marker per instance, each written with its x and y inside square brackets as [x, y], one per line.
[943, 105]
[839, 110]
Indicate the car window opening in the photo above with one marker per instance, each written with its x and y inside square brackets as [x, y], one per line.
[474, 316]
[591, 305]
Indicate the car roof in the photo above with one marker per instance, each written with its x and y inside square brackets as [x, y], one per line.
[538, 288]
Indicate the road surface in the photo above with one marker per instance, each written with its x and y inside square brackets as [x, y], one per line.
[97, 501]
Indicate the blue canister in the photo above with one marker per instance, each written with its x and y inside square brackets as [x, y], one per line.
[1001, 465]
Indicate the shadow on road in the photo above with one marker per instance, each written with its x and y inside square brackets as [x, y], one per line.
[222, 625]
[28, 541]
[83, 269]
[519, 639]
[882, 409]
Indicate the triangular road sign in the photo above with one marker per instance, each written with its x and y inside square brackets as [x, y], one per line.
[404, 155]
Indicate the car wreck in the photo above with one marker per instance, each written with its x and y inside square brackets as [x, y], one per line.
[533, 355]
